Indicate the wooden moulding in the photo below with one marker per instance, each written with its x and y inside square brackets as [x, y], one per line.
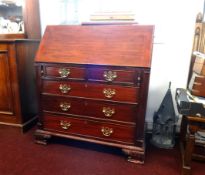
[12, 36]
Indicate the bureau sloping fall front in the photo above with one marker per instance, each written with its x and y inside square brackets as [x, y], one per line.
[93, 84]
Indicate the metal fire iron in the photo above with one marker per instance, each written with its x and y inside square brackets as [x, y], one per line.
[164, 122]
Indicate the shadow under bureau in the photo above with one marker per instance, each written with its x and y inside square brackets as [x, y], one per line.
[93, 84]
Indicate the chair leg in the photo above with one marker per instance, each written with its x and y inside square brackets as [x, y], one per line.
[187, 156]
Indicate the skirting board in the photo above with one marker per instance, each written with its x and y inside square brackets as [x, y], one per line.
[25, 126]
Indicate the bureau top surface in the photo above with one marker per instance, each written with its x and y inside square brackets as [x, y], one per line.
[118, 45]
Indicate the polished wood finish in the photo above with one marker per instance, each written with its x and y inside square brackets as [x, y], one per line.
[123, 112]
[17, 78]
[17, 95]
[89, 128]
[12, 36]
[6, 105]
[120, 45]
[77, 72]
[92, 90]
[187, 141]
[92, 83]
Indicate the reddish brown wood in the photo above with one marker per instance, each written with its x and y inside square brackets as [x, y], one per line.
[123, 112]
[11, 84]
[17, 79]
[17, 95]
[12, 36]
[91, 108]
[6, 103]
[193, 125]
[198, 86]
[91, 90]
[52, 104]
[109, 58]
[125, 45]
[74, 72]
[145, 74]
[98, 74]
[89, 128]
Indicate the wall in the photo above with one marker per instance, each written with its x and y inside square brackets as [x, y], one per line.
[174, 28]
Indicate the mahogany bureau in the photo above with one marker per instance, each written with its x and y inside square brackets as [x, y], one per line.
[93, 83]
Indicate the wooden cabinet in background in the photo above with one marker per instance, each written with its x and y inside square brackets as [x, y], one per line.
[17, 84]
[17, 51]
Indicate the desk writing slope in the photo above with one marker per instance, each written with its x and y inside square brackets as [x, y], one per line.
[128, 45]
[93, 84]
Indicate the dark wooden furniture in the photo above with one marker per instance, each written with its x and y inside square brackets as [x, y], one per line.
[190, 125]
[17, 78]
[17, 95]
[195, 121]
[93, 84]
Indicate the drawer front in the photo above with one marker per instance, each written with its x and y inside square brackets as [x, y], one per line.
[112, 111]
[110, 75]
[113, 92]
[63, 105]
[92, 90]
[90, 108]
[65, 72]
[66, 88]
[90, 129]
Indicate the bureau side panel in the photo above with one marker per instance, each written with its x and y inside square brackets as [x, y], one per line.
[140, 123]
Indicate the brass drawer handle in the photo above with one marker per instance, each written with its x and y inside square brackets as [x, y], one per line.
[109, 75]
[106, 131]
[64, 88]
[109, 93]
[64, 72]
[65, 106]
[65, 125]
[108, 112]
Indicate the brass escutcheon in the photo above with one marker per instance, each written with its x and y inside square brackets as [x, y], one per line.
[64, 88]
[65, 106]
[65, 125]
[108, 112]
[64, 72]
[109, 75]
[109, 93]
[106, 131]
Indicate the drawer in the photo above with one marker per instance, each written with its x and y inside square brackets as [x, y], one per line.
[112, 111]
[113, 92]
[74, 106]
[92, 90]
[65, 72]
[111, 75]
[66, 88]
[96, 109]
[90, 128]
